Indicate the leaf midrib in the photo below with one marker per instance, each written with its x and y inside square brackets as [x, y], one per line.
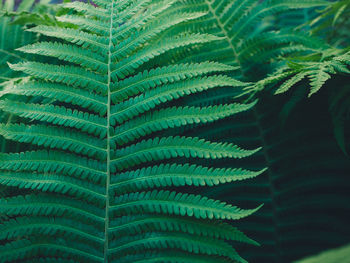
[108, 158]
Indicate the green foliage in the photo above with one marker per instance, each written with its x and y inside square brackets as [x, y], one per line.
[307, 172]
[13, 21]
[11, 38]
[318, 68]
[126, 134]
[332, 256]
[247, 39]
[317, 71]
[334, 16]
[94, 179]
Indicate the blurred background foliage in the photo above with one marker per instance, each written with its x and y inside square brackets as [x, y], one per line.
[341, 254]
[305, 138]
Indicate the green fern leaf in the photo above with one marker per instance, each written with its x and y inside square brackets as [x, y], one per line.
[96, 178]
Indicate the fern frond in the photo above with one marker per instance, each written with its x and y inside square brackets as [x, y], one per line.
[49, 182]
[89, 10]
[28, 248]
[43, 161]
[44, 205]
[129, 64]
[333, 16]
[305, 139]
[68, 53]
[149, 100]
[172, 147]
[62, 139]
[134, 24]
[187, 243]
[146, 80]
[128, 45]
[290, 82]
[172, 257]
[69, 75]
[318, 72]
[139, 224]
[41, 225]
[74, 36]
[13, 36]
[177, 175]
[62, 93]
[278, 43]
[173, 117]
[84, 121]
[173, 203]
[95, 181]
[269, 7]
[238, 21]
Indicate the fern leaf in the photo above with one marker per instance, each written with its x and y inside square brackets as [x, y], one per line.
[94, 180]
[44, 205]
[13, 36]
[318, 78]
[35, 225]
[57, 115]
[128, 65]
[269, 7]
[173, 257]
[68, 53]
[290, 82]
[43, 161]
[241, 24]
[75, 36]
[128, 45]
[49, 182]
[173, 117]
[79, 97]
[177, 175]
[26, 248]
[62, 139]
[317, 71]
[69, 75]
[173, 203]
[139, 224]
[174, 241]
[172, 147]
[159, 95]
[146, 80]
[133, 24]
[89, 10]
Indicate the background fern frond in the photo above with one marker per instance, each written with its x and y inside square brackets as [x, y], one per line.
[301, 153]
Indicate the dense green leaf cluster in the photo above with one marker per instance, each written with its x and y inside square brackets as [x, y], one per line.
[95, 180]
[122, 137]
[307, 172]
